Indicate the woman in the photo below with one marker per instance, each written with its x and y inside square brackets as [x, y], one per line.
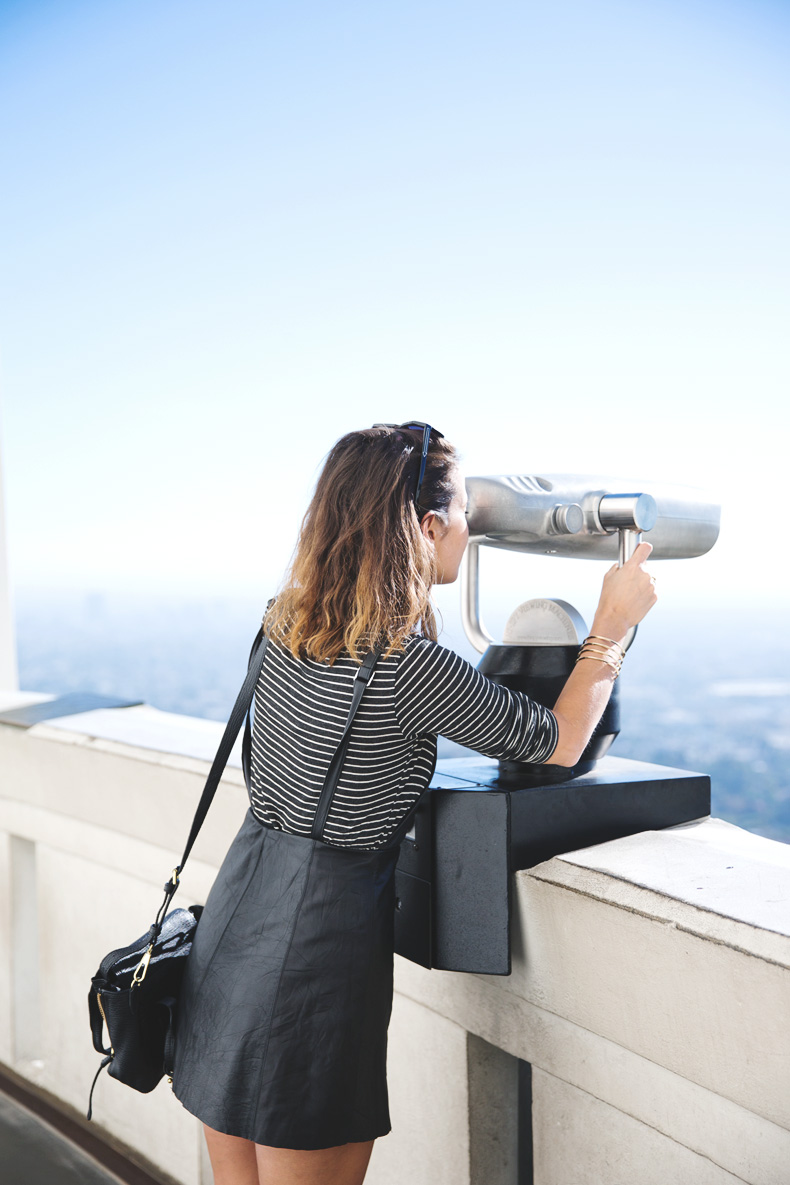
[281, 1048]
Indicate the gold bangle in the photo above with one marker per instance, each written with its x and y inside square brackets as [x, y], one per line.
[608, 641]
[601, 658]
[595, 648]
[611, 659]
[603, 650]
[604, 643]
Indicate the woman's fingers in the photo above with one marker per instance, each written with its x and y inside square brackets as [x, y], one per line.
[638, 557]
[628, 593]
[640, 553]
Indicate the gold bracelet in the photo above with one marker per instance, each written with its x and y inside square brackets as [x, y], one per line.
[602, 658]
[608, 641]
[609, 653]
[604, 644]
[602, 650]
[591, 645]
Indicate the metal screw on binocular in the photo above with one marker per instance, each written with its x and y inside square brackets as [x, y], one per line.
[582, 517]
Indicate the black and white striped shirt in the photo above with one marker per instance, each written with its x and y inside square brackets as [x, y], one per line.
[301, 708]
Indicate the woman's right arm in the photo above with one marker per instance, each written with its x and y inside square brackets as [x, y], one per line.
[438, 692]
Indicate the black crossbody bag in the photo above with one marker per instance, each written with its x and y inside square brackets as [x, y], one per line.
[134, 993]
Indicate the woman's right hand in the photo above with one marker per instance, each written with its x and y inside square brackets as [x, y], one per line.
[628, 595]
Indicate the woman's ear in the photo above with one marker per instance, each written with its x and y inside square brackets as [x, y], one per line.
[428, 526]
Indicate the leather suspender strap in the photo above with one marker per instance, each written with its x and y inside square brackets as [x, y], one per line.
[361, 680]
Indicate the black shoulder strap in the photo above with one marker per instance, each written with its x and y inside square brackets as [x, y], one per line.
[246, 743]
[361, 680]
[240, 710]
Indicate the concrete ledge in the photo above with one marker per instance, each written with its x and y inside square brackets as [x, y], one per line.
[658, 1005]
[709, 865]
[573, 1128]
[144, 727]
[650, 989]
[751, 1147]
[134, 791]
[606, 954]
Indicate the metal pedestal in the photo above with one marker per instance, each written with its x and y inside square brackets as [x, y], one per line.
[453, 879]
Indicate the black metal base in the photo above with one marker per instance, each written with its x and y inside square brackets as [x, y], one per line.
[453, 878]
[541, 672]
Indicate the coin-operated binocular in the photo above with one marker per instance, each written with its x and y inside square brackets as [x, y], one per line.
[583, 517]
[454, 872]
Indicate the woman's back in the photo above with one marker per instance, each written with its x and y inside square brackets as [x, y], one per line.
[415, 694]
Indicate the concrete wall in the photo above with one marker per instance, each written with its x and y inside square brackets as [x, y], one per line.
[650, 992]
[656, 1027]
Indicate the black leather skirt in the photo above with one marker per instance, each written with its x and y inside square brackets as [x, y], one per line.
[287, 993]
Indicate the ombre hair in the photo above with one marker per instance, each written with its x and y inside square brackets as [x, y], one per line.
[362, 570]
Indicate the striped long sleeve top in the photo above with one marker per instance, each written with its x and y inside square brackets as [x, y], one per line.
[426, 690]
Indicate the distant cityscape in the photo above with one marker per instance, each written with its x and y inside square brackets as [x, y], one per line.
[695, 692]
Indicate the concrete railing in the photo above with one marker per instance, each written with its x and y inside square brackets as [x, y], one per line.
[645, 1025]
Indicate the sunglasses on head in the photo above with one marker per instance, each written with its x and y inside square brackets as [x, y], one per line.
[426, 440]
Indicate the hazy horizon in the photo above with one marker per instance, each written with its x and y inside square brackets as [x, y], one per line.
[699, 690]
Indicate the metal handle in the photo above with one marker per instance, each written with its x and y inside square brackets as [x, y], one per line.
[629, 541]
[629, 515]
[474, 629]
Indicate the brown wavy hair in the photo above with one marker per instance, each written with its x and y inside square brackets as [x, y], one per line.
[362, 570]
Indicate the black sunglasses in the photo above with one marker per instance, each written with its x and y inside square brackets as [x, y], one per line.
[426, 440]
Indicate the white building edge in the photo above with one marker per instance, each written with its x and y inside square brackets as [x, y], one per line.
[650, 991]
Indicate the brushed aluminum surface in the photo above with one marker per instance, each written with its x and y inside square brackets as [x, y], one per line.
[519, 512]
[579, 517]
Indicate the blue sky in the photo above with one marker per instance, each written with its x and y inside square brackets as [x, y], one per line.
[231, 232]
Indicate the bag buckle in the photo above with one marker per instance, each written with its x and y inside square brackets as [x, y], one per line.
[142, 967]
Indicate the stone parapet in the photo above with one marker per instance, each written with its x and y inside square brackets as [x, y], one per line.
[644, 1029]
